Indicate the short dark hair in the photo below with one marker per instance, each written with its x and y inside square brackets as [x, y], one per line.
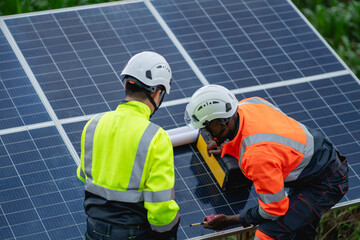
[132, 90]
[136, 89]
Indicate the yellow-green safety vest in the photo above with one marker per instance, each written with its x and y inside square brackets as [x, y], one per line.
[127, 158]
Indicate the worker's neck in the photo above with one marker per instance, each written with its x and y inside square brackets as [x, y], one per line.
[234, 126]
[145, 101]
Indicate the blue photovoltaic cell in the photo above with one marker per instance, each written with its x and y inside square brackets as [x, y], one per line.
[76, 57]
[246, 43]
[196, 190]
[19, 103]
[41, 197]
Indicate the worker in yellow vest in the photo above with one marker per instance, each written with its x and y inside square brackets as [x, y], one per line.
[275, 152]
[127, 162]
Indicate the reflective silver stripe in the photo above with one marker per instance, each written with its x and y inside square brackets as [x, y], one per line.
[259, 100]
[132, 196]
[266, 215]
[268, 137]
[167, 227]
[308, 154]
[254, 101]
[159, 196]
[307, 149]
[140, 157]
[270, 198]
[242, 151]
[89, 139]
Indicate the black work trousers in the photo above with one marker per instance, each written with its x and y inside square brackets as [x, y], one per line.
[307, 204]
[100, 230]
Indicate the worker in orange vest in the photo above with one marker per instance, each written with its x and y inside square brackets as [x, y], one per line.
[297, 173]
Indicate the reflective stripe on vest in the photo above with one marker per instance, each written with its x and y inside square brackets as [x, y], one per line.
[140, 157]
[267, 215]
[88, 148]
[132, 194]
[259, 100]
[270, 198]
[307, 149]
[166, 227]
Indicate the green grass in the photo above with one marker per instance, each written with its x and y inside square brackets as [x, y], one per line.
[342, 224]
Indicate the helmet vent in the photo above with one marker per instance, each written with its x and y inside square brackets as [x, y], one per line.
[195, 118]
[228, 107]
[148, 74]
[207, 104]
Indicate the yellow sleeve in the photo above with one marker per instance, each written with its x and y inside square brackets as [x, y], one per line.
[159, 184]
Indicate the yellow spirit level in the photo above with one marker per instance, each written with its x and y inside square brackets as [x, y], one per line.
[225, 170]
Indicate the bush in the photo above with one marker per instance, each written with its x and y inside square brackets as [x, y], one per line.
[339, 23]
[340, 225]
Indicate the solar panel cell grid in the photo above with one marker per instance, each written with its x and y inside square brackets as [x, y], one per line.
[34, 198]
[76, 56]
[19, 103]
[247, 17]
[59, 39]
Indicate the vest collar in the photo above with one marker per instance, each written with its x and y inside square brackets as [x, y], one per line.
[136, 107]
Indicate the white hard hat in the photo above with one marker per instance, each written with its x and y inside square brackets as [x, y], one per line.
[149, 68]
[208, 103]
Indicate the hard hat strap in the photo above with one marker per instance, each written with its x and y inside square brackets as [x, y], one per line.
[148, 95]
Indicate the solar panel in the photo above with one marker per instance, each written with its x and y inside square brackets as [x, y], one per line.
[19, 102]
[77, 56]
[246, 43]
[59, 68]
[40, 196]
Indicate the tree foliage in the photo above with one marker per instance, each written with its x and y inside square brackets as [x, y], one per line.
[339, 23]
[8, 7]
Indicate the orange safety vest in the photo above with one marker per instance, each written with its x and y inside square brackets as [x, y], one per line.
[272, 149]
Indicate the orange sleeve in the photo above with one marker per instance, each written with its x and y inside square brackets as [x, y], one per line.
[266, 173]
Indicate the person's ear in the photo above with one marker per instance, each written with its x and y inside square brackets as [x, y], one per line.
[223, 125]
[154, 94]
